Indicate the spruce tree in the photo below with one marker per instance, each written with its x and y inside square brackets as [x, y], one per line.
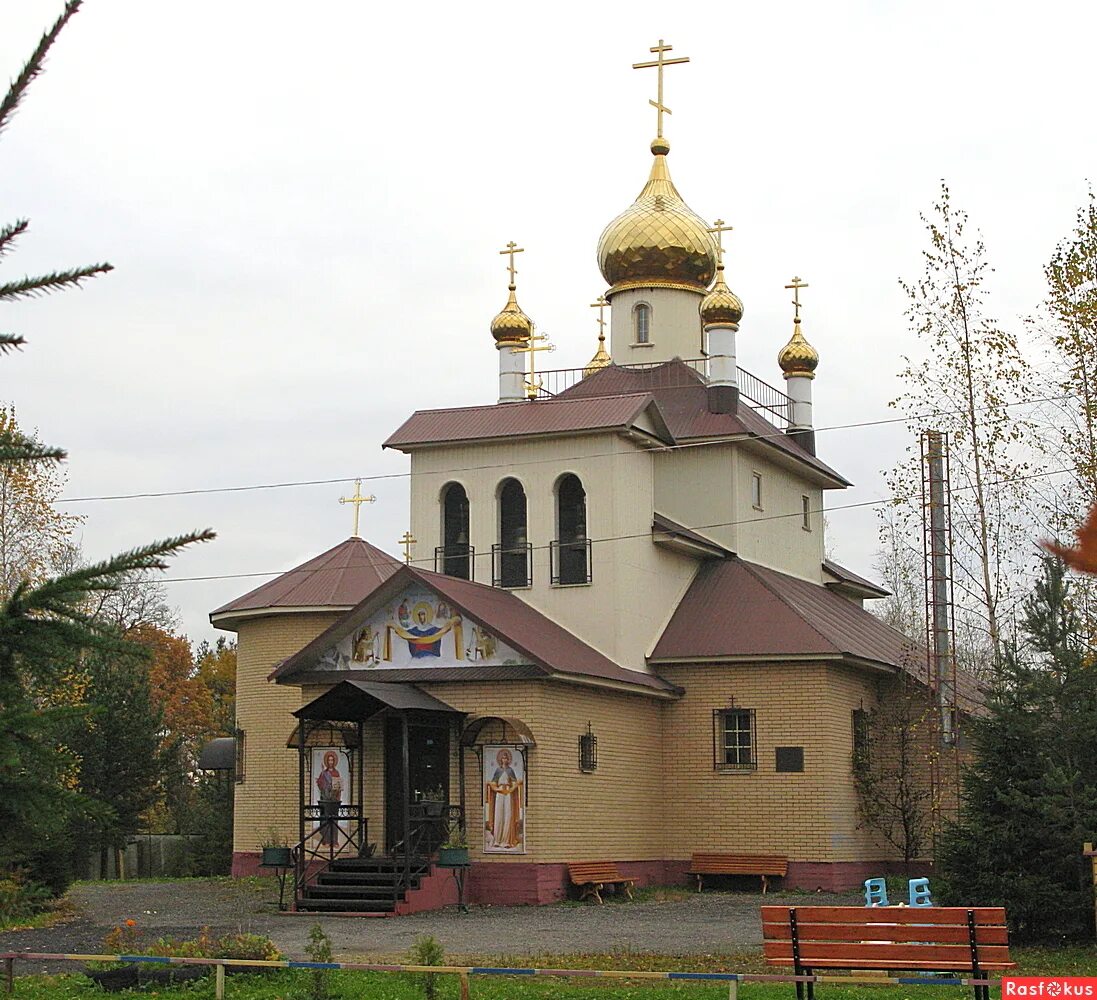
[47, 627]
[1030, 795]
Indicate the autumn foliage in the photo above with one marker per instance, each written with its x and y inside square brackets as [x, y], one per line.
[1083, 556]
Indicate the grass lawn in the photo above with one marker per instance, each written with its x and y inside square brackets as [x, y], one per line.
[389, 986]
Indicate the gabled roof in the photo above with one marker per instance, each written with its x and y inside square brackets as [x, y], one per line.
[682, 397]
[551, 648]
[537, 417]
[336, 579]
[736, 610]
[739, 610]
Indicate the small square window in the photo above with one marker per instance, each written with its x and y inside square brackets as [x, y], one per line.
[756, 490]
[734, 739]
[806, 503]
[790, 759]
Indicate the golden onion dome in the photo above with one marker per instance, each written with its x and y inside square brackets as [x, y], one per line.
[721, 307]
[798, 358]
[658, 240]
[511, 326]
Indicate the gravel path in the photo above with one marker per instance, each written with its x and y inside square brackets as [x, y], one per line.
[712, 922]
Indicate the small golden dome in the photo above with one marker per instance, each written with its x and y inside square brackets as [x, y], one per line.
[798, 358]
[511, 326]
[658, 240]
[721, 307]
[600, 360]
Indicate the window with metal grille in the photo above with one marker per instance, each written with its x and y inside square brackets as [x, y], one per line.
[588, 751]
[238, 757]
[862, 755]
[734, 739]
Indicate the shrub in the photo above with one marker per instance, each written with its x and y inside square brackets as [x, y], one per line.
[20, 899]
[427, 950]
[319, 950]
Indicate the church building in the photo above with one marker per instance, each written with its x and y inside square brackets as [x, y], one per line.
[614, 636]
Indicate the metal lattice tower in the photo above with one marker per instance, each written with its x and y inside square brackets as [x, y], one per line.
[940, 624]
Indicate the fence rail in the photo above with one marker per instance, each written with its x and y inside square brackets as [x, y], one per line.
[464, 972]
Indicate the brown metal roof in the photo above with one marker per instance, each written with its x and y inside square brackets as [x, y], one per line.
[661, 525]
[847, 576]
[547, 644]
[536, 417]
[682, 398]
[340, 577]
[739, 609]
[735, 608]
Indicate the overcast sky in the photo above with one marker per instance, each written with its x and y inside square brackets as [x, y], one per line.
[303, 203]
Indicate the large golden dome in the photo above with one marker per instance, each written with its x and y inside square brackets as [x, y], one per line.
[658, 240]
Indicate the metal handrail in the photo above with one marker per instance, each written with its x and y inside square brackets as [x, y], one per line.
[303, 855]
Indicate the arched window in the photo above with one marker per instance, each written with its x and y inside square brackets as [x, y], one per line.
[454, 556]
[512, 556]
[641, 316]
[572, 547]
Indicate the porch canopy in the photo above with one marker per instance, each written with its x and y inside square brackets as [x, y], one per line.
[342, 711]
[358, 701]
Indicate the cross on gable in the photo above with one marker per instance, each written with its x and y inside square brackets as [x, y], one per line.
[357, 500]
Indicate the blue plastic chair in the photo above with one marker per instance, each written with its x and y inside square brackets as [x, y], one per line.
[919, 892]
[876, 892]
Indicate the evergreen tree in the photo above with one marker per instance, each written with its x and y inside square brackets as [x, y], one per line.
[46, 628]
[1030, 796]
[119, 749]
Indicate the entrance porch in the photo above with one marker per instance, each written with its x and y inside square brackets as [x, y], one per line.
[339, 862]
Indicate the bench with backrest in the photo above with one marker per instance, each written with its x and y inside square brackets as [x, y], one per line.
[593, 876]
[762, 865]
[933, 939]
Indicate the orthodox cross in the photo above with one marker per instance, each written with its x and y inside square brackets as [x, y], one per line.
[719, 229]
[796, 285]
[659, 62]
[512, 249]
[600, 305]
[533, 383]
[357, 500]
[407, 541]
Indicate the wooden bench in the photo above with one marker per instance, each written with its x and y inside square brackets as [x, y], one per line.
[763, 865]
[593, 876]
[918, 938]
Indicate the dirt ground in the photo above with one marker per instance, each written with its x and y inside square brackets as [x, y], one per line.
[712, 922]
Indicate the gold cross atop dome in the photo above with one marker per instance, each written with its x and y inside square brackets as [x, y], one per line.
[512, 249]
[719, 229]
[357, 500]
[407, 541]
[796, 285]
[600, 305]
[658, 63]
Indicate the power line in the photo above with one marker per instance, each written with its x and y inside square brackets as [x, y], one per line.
[378, 477]
[642, 534]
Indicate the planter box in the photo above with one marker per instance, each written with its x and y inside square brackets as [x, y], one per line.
[453, 857]
[276, 857]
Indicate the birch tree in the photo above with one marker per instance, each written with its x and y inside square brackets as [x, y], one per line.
[969, 373]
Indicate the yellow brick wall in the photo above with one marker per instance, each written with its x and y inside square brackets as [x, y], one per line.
[806, 816]
[268, 795]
